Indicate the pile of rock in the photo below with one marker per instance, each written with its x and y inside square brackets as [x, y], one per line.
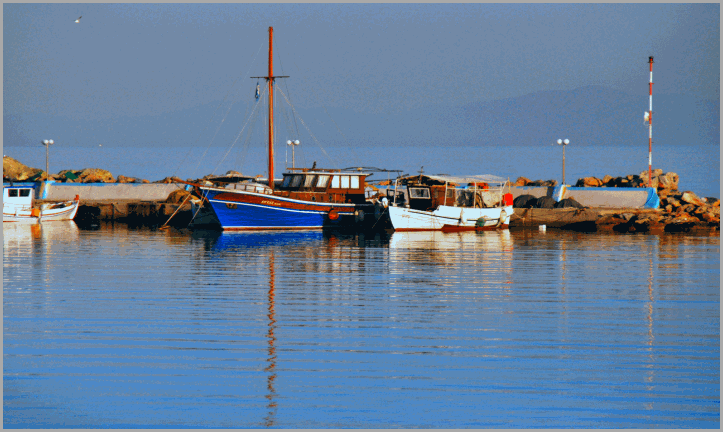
[660, 181]
[16, 171]
[524, 181]
[679, 212]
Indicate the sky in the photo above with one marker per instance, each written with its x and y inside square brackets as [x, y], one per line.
[124, 64]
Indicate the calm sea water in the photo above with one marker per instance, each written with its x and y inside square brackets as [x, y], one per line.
[117, 327]
[697, 165]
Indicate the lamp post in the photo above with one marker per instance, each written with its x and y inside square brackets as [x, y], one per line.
[563, 143]
[293, 144]
[47, 144]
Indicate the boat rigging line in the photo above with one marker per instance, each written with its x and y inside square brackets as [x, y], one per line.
[321, 102]
[237, 137]
[333, 161]
[213, 114]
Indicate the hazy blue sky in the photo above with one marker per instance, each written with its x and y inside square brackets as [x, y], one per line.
[139, 59]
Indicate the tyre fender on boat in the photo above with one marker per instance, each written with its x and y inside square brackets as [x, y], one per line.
[359, 215]
[481, 221]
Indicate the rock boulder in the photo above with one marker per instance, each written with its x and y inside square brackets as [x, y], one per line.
[17, 171]
[521, 181]
[589, 182]
[668, 181]
[95, 175]
[691, 198]
[177, 196]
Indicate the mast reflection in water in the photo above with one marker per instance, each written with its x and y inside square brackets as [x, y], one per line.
[271, 368]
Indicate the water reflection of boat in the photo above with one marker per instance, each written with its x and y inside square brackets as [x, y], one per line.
[463, 240]
[254, 239]
[23, 235]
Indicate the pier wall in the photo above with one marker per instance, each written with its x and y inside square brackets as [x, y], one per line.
[596, 197]
[107, 191]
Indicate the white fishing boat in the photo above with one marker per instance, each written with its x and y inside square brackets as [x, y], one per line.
[447, 203]
[19, 206]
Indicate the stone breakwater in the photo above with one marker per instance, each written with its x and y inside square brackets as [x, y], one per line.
[678, 211]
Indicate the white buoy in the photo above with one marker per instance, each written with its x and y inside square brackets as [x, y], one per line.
[543, 228]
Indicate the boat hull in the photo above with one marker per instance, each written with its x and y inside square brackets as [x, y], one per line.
[447, 218]
[63, 211]
[246, 211]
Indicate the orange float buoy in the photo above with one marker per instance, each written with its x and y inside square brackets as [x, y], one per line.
[508, 199]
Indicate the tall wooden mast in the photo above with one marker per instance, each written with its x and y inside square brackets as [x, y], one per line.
[270, 79]
[271, 108]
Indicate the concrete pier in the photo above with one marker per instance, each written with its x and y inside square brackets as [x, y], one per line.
[133, 212]
[584, 219]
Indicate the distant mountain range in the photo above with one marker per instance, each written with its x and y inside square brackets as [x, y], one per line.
[592, 115]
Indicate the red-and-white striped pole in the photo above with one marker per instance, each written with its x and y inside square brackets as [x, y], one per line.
[650, 127]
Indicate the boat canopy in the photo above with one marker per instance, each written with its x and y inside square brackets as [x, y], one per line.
[460, 180]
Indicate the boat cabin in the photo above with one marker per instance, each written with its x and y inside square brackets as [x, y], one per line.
[18, 196]
[324, 186]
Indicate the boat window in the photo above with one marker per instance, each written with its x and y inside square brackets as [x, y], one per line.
[335, 182]
[12, 192]
[419, 193]
[296, 181]
[24, 192]
[323, 180]
[345, 182]
[355, 182]
[287, 181]
[309, 181]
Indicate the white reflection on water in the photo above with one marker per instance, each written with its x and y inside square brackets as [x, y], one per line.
[140, 328]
